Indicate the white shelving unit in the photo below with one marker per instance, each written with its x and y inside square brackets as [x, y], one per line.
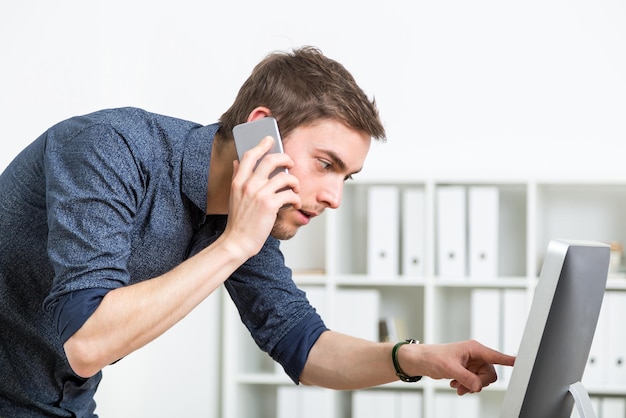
[330, 257]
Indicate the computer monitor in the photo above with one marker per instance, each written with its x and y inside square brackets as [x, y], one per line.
[559, 330]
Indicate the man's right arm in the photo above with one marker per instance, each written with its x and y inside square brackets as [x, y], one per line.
[131, 316]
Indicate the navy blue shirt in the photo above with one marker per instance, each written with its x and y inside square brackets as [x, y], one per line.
[103, 201]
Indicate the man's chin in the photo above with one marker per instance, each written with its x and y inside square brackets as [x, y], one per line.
[283, 232]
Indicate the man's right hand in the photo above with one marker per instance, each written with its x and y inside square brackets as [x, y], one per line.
[255, 198]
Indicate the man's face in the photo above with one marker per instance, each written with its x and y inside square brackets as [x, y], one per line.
[325, 155]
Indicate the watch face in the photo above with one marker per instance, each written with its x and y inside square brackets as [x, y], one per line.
[410, 379]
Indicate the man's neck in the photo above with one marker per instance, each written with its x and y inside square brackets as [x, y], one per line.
[220, 177]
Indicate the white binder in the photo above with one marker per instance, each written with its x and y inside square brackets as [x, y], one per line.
[596, 405]
[287, 401]
[386, 403]
[304, 402]
[514, 316]
[613, 408]
[383, 231]
[596, 370]
[451, 231]
[409, 404]
[483, 225]
[450, 405]
[317, 298]
[486, 319]
[357, 313]
[616, 309]
[413, 232]
[374, 404]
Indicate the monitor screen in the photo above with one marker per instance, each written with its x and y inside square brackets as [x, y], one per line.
[559, 330]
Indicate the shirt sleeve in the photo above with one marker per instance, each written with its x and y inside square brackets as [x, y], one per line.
[292, 351]
[73, 309]
[277, 313]
[93, 189]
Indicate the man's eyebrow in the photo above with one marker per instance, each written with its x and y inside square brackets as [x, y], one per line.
[341, 165]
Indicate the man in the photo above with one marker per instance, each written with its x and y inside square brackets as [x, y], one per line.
[115, 225]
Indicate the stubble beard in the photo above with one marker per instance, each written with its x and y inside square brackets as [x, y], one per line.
[281, 230]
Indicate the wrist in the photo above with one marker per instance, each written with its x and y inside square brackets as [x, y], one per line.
[232, 249]
[396, 362]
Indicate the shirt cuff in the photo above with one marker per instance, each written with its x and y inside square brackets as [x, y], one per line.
[74, 308]
[293, 349]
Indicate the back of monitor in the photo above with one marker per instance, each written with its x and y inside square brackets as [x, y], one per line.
[557, 338]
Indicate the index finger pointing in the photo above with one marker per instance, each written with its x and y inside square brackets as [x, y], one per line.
[489, 355]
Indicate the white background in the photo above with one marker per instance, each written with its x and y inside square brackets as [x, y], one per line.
[533, 88]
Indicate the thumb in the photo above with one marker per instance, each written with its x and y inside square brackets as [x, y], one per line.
[466, 381]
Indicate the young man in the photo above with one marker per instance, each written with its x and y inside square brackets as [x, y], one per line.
[115, 225]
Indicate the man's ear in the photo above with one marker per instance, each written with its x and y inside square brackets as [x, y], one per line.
[259, 113]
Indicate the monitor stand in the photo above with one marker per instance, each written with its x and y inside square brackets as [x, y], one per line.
[582, 401]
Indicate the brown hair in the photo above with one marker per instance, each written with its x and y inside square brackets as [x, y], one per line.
[301, 88]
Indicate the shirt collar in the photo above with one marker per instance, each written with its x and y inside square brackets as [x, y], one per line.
[196, 160]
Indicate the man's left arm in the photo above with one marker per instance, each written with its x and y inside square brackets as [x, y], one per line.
[339, 361]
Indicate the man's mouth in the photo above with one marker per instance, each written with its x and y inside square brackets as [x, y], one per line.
[309, 215]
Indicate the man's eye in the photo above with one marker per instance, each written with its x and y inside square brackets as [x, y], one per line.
[328, 166]
[324, 164]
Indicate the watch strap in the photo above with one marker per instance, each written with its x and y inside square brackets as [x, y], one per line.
[394, 356]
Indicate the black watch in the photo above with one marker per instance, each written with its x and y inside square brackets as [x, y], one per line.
[396, 364]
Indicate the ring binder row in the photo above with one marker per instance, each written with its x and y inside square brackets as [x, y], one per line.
[360, 313]
[396, 236]
[606, 367]
[498, 317]
[605, 407]
[467, 227]
[314, 402]
[467, 220]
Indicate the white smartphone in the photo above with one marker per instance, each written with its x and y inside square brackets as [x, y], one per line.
[248, 135]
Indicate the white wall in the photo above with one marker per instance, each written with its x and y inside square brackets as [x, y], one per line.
[481, 86]
[504, 88]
